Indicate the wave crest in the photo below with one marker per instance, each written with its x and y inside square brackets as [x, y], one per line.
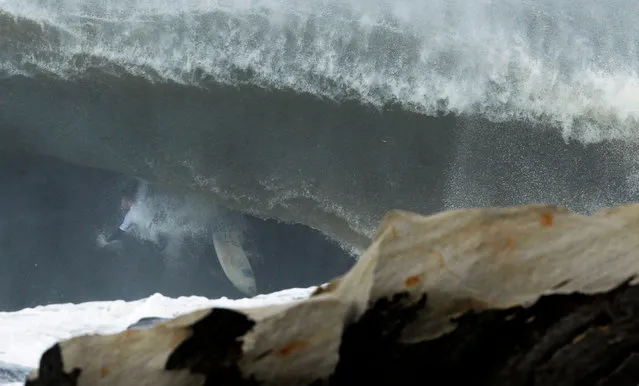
[550, 62]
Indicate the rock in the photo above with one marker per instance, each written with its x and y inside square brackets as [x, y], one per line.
[531, 295]
[10, 372]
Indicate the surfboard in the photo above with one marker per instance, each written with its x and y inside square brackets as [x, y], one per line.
[235, 262]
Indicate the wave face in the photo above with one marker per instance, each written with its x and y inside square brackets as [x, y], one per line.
[330, 113]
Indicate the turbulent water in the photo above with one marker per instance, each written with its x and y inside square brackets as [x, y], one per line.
[330, 113]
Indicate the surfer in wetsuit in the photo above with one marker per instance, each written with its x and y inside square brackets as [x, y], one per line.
[138, 216]
[133, 204]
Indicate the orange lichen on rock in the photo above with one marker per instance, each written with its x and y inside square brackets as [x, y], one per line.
[290, 348]
[546, 220]
[412, 281]
[579, 338]
[104, 371]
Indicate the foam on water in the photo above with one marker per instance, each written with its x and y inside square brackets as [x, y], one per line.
[25, 334]
[552, 61]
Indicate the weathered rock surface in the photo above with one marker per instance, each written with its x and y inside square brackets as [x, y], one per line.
[532, 295]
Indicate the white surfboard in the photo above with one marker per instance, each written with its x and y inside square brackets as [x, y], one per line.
[234, 261]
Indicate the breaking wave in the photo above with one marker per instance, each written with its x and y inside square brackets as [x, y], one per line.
[327, 112]
[551, 61]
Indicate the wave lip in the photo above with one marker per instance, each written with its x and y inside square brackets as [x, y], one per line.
[403, 102]
[546, 61]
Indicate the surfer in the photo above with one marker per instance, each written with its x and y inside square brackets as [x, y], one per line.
[134, 205]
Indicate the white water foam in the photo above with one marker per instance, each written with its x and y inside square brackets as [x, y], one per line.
[554, 61]
[27, 333]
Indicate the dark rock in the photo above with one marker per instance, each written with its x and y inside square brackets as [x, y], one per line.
[51, 371]
[561, 340]
[214, 347]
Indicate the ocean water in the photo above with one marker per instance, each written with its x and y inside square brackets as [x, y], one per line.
[318, 112]
[329, 113]
[551, 61]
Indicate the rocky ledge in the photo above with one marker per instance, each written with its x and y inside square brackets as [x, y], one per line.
[532, 295]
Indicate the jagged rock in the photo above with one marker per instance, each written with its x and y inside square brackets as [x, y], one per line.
[10, 372]
[532, 295]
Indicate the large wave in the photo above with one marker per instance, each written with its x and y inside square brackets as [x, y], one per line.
[548, 60]
[330, 113]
